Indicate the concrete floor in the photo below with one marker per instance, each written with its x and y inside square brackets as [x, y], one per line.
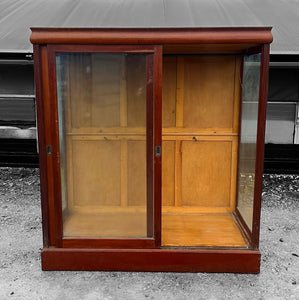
[21, 240]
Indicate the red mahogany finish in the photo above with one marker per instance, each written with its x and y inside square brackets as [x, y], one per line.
[145, 253]
[156, 260]
[151, 36]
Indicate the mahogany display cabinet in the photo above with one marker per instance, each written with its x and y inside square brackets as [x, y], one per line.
[151, 146]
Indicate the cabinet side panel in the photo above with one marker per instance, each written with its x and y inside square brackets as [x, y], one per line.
[38, 73]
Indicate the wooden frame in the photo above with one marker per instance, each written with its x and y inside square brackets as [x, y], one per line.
[151, 140]
[145, 254]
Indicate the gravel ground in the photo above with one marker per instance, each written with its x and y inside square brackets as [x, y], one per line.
[21, 241]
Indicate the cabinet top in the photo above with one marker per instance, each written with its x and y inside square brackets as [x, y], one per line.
[244, 37]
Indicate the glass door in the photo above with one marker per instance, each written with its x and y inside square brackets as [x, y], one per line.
[105, 100]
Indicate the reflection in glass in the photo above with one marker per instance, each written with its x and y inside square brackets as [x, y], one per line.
[102, 134]
[247, 151]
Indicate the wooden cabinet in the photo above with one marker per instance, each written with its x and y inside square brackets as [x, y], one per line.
[151, 147]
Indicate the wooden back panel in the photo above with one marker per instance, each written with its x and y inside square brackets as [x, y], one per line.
[200, 133]
[105, 109]
[209, 92]
[206, 173]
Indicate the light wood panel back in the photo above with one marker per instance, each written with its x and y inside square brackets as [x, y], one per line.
[105, 112]
[209, 92]
[200, 136]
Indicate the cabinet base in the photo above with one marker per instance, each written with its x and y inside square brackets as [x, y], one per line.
[153, 260]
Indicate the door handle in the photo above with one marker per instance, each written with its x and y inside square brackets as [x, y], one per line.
[158, 151]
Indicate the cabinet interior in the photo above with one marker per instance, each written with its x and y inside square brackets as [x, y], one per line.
[201, 98]
[104, 154]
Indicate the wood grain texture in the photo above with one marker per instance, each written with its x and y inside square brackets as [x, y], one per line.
[206, 173]
[237, 94]
[242, 224]
[207, 120]
[169, 91]
[124, 173]
[96, 172]
[48, 141]
[201, 230]
[208, 91]
[136, 90]
[136, 173]
[168, 173]
[105, 243]
[178, 173]
[79, 82]
[104, 89]
[180, 88]
[195, 49]
[154, 260]
[113, 224]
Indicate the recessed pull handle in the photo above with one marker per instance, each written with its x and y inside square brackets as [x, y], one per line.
[158, 151]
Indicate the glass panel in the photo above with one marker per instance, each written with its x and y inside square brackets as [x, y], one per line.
[247, 151]
[102, 134]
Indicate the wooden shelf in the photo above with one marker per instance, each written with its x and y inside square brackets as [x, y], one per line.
[201, 230]
[178, 229]
[113, 224]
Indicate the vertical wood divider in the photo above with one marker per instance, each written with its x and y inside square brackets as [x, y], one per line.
[124, 142]
[235, 129]
[124, 173]
[123, 96]
[88, 79]
[178, 174]
[233, 176]
[179, 121]
[237, 95]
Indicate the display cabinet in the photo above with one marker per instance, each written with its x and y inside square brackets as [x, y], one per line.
[151, 147]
